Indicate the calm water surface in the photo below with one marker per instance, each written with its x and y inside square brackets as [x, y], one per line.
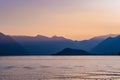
[60, 68]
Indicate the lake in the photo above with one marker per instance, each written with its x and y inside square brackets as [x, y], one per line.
[60, 68]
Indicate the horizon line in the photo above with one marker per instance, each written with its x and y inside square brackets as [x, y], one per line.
[111, 35]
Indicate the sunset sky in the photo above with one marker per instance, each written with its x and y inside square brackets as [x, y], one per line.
[74, 19]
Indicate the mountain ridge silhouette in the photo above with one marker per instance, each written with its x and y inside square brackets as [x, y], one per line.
[42, 45]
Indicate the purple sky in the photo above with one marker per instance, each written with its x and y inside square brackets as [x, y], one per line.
[76, 19]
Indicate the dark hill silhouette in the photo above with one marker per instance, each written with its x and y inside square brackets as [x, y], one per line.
[69, 51]
[110, 46]
[8, 46]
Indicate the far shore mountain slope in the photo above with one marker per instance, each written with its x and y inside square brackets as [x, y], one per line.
[109, 46]
[9, 46]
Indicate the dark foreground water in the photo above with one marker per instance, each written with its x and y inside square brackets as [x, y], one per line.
[60, 68]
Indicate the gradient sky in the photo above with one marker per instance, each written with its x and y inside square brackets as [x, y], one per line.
[75, 19]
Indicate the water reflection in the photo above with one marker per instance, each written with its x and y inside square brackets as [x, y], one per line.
[60, 68]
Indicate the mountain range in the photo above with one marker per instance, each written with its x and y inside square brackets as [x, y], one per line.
[42, 45]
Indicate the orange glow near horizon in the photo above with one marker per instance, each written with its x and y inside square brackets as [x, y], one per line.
[74, 19]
